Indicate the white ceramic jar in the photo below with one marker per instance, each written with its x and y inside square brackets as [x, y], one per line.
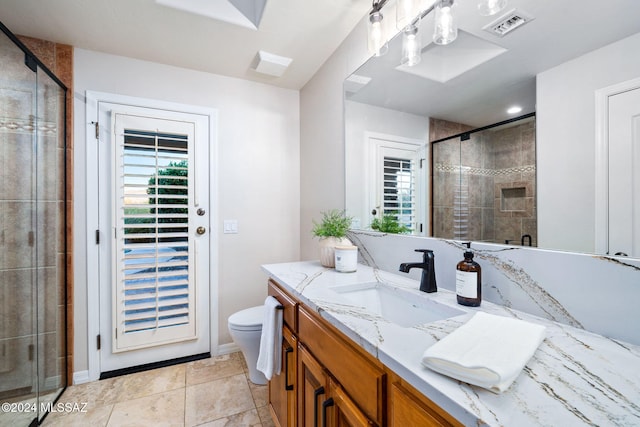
[346, 258]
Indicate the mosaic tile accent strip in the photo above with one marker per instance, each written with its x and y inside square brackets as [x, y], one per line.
[442, 167]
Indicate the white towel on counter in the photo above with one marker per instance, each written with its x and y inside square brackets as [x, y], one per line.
[270, 357]
[488, 351]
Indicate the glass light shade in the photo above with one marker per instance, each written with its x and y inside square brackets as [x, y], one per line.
[445, 30]
[406, 11]
[411, 46]
[377, 39]
[491, 7]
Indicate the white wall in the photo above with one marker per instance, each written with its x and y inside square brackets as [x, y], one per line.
[259, 173]
[322, 155]
[566, 146]
[361, 118]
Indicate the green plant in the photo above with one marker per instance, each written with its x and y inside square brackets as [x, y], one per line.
[335, 223]
[389, 224]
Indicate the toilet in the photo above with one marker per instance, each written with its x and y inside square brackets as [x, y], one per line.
[245, 328]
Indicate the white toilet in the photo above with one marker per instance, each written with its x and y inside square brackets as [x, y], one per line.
[245, 328]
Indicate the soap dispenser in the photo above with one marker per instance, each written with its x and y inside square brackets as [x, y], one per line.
[468, 280]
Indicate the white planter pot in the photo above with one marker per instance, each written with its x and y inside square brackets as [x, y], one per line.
[327, 249]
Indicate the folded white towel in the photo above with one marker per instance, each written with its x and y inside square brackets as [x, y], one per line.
[488, 351]
[270, 357]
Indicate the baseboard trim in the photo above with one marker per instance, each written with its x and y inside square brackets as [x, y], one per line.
[81, 377]
[227, 349]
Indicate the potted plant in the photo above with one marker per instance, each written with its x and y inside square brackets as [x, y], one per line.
[389, 224]
[332, 231]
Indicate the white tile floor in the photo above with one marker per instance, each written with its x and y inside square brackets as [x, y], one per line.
[209, 392]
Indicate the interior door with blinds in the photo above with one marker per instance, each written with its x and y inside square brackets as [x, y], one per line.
[155, 281]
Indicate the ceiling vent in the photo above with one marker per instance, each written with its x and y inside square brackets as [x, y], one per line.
[507, 23]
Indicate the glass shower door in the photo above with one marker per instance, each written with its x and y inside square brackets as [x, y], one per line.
[18, 260]
[32, 237]
[50, 240]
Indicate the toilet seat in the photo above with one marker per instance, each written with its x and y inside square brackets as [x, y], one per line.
[249, 319]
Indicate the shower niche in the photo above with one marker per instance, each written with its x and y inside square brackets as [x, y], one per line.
[33, 247]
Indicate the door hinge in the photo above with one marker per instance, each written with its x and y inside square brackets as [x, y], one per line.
[97, 237]
[98, 343]
[31, 351]
[97, 125]
[116, 333]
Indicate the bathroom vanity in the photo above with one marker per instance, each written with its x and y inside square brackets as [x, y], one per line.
[352, 348]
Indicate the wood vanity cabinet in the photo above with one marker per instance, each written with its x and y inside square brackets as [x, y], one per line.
[332, 382]
[283, 387]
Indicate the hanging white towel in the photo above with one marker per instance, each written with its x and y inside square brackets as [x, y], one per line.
[270, 357]
[488, 351]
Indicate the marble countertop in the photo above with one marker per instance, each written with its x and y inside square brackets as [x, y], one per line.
[574, 378]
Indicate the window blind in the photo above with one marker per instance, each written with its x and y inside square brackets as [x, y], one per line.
[399, 199]
[153, 254]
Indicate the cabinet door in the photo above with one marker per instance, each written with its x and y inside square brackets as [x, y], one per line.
[340, 411]
[407, 409]
[313, 388]
[282, 388]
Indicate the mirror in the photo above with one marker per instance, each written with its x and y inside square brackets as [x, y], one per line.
[554, 66]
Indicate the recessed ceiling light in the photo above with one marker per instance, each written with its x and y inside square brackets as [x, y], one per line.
[514, 110]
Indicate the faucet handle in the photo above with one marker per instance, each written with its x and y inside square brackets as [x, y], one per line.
[427, 253]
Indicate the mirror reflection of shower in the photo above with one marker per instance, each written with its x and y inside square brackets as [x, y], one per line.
[484, 182]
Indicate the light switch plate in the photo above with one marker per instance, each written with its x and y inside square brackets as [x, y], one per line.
[230, 226]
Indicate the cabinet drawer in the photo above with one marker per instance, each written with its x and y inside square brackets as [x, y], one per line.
[290, 312]
[363, 381]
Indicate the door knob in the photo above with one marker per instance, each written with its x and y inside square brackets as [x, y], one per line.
[201, 230]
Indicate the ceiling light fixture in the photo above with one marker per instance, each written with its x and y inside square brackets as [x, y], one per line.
[491, 7]
[377, 38]
[411, 46]
[445, 30]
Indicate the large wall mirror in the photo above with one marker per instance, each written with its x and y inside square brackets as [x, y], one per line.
[435, 149]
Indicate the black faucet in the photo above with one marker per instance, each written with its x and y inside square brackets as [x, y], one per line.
[525, 236]
[428, 280]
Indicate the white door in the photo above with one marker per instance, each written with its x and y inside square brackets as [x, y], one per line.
[624, 173]
[397, 174]
[154, 235]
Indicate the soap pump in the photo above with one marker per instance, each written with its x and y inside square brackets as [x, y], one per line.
[468, 280]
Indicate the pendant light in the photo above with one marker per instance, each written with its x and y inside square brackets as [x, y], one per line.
[406, 11]
[377, 39]
[411, 46]
[445, 30]
[491, 7]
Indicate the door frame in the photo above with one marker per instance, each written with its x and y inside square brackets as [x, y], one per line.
[93, 98]
[602, 160]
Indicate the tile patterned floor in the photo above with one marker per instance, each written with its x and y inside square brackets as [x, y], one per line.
[211, 392]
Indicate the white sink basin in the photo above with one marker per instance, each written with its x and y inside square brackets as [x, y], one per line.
[396, 305]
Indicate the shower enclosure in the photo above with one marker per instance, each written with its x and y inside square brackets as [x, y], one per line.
[33, 364]
[484, 184]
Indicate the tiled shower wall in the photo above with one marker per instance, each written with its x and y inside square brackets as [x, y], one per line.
[484, 187]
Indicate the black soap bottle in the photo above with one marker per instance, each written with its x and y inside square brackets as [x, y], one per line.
[468, 280]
